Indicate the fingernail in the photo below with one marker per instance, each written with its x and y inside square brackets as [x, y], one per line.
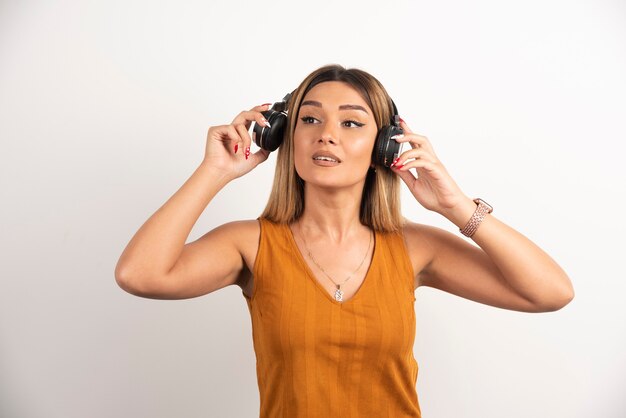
[399, 166]
[397, 136]
[266, 123]
[401, 120]
[395, 161]
[236, 148]
[265, 104]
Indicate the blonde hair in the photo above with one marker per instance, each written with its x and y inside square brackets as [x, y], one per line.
[380, 201]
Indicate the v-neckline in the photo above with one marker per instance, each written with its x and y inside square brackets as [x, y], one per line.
[310, 274]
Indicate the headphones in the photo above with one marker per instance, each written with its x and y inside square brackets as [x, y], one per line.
[386, 150]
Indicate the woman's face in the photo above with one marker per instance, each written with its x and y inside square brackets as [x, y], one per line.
[334, 118]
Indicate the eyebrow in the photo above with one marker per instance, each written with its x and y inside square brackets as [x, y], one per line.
[342, 107]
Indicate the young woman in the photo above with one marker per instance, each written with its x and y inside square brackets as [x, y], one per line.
[329, 269]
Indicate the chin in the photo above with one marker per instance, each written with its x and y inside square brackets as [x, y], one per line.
[334, 181]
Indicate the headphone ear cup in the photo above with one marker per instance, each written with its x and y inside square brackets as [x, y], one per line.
[386, 149]
[270, 138]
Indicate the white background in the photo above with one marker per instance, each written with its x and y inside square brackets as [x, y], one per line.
[104, 110]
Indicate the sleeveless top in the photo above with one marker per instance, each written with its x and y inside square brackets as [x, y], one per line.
[319, 357]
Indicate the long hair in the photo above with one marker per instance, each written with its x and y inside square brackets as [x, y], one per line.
[380, 201]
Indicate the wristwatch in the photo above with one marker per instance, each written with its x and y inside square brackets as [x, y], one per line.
[482, 209]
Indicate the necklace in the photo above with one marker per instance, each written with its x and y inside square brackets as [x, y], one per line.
[338, 291]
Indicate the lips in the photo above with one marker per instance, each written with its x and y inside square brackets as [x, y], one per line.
[326, 154]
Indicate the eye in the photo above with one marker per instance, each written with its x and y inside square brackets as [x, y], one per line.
[306, 118]
[358, 124]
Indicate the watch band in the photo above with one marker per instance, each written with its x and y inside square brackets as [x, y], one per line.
[482, 209]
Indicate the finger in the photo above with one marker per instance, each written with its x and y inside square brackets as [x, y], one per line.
[260, 108]
[415, 140]
[421, 154]
[425, 164]
[259, 156]
[406, 176]
[405, 127]
[247, 117]
[235, 139]
[226, 132]
[246, 140]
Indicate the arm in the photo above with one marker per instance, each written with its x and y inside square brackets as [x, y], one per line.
[157, 263]
[508, 270]
[146, 265]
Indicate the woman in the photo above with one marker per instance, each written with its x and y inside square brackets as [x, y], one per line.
[330, 267]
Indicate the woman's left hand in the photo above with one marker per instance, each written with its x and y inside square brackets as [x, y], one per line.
[434, 189]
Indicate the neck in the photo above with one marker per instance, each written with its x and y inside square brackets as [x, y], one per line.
[332, 215]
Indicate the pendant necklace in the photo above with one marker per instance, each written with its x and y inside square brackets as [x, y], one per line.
[338, 291]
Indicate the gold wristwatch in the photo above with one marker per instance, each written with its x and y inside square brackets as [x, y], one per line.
[482, 209]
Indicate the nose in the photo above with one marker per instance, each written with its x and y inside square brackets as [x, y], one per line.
[328, 134]
[327, 139]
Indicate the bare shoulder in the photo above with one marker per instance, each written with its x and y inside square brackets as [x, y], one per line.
[248, 228]
[418, 240]
[247, 234]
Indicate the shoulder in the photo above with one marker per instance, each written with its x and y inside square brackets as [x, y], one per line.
[419, 240]
[245, 236]
[245, 232]
[417, 235]
[430, 235]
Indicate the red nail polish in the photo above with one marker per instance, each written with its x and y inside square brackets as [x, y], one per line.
[265, 104]
[399, 166]
[401, 120]
[236, 148]
[395, 161]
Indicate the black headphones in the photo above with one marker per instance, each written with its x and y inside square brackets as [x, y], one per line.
[386, 150]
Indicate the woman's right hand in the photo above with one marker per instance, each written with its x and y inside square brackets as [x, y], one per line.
[226, 145]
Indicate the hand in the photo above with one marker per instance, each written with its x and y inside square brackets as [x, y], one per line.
[433, 187]
[226, 145]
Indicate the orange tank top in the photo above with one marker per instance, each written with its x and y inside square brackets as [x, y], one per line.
[318, 357]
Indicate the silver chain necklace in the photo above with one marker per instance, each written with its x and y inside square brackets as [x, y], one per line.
[338, 291]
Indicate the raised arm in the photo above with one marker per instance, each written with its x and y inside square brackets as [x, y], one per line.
[157, 263]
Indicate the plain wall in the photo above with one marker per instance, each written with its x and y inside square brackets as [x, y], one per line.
[104, 111]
